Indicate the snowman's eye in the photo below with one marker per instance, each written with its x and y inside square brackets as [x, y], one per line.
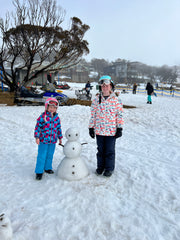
[76, 134]
[69, 135]
[73, 148]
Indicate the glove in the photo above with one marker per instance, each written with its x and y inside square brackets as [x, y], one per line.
[91, 132]
[118, 132]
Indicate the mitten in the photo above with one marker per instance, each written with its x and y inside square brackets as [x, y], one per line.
[118, 133]
[91, 132]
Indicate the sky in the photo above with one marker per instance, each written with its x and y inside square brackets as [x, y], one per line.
[140, 201]
[134, 30]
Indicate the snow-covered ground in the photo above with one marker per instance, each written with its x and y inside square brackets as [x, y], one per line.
[139, 202]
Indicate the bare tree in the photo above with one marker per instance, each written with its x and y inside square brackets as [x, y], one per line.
[99, 65]
[167, 74]
[35, 40]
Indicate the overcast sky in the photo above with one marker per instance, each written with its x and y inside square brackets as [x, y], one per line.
[136, 30]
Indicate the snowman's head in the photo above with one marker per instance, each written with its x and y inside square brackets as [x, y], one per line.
[72, 134]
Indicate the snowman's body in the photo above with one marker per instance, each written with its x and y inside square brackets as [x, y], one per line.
[72, 167]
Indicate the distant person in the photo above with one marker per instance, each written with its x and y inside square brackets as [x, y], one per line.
[106, 125]
[88, 88]
[171, 89]
[47, 132]
[134, 88]
[150, 90]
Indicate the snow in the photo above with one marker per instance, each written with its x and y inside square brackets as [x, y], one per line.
[139, 202]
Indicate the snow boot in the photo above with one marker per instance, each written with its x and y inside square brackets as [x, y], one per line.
[107, 173]
[49, 171]
[99, 171]
[39, 176]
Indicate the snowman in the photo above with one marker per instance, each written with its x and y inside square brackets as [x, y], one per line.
[72, 167]
[5, 228]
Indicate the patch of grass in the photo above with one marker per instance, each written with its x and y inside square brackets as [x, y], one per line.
[128, 106]
[7, 98]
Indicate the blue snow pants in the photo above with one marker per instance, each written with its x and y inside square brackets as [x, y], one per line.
[149, 98]
[106, 152]
[45, 157]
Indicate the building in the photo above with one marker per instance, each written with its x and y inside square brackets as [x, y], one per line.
[126, 72]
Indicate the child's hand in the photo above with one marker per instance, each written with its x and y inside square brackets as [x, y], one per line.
[60, 141]
[37, 141]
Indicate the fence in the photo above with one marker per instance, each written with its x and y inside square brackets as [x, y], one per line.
[159, 92]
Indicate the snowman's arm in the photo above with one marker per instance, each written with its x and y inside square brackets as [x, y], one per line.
[1, 217]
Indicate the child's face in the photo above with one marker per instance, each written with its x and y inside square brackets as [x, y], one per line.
[106, 88]
[52, 109]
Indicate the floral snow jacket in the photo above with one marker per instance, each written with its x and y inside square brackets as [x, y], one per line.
[48, 128]
[106, 116]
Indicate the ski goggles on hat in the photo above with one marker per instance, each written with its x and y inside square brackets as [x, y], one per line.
[105, 81]
[53, 103]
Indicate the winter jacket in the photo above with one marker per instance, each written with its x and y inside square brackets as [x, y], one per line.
[149, 89]
[106, 116]
[48, 128]
[88, 87]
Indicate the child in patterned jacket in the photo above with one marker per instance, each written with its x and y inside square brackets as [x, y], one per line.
[47, 132]
[106, 124]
